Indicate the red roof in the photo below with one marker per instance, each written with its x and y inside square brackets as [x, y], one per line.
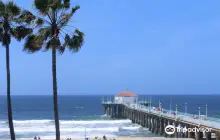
[126, 94]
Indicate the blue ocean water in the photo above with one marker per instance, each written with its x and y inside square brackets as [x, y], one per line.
[33, 115]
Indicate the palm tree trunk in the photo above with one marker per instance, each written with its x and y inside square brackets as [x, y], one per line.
[10, 120]
[55, 102]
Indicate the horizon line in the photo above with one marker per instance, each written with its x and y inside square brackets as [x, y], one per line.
[102, 94]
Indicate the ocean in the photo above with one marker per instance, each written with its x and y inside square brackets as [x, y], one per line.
[84, 115]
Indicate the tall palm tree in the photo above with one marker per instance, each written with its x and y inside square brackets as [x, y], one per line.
[13, 23]
[56, 35]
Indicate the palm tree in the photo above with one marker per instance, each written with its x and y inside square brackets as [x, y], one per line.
[12, 24]
[52, 35]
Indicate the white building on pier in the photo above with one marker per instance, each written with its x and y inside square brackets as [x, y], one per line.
[126, 97]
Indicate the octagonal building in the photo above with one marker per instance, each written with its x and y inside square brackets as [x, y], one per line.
[126, 97]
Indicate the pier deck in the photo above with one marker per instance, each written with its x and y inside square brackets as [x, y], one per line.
[157, 120]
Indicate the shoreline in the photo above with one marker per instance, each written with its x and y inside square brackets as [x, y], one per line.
[112, 138]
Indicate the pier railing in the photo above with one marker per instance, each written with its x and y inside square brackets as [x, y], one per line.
[171, 114]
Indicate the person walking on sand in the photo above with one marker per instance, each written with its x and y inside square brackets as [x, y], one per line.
[35, 137]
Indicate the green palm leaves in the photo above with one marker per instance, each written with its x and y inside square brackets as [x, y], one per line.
[10, 8]
[55, 15]
[13, 22]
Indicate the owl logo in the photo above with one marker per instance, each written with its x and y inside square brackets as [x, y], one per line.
[169, 129]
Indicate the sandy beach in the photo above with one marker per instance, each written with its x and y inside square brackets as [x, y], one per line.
[118, 138]
[151, 138]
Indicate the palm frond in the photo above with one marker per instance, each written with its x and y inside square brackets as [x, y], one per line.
[30, 19]
[39, 21]
[12, 8]
[45, 6]
[33, 43]
[66, 4]
[2, 8]
[65, 44]
[20, 32]
[42, 6]
[74, 9]
[45, 38]
[45, 33]
[65, 18]
[56, 5]
[26, 17]
[74, 43]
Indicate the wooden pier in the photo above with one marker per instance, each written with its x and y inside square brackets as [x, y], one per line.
[156, 121]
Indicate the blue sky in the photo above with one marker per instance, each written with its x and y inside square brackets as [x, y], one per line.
[149, 47]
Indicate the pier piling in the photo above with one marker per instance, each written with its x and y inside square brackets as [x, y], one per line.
[156, 121]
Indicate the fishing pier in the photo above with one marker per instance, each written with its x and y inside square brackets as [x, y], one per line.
[126, 106]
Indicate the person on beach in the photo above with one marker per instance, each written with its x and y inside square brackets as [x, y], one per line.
[35, 137]
[39, 137]
[104, 137]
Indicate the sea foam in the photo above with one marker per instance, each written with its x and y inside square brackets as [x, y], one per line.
[69, 128]
[69, 121]
[50, 129]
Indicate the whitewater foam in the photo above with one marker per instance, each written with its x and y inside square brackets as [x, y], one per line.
[52, 129]
[69, 122]
[73, 128]
[97, 122]
[32, 121]
[131, 128]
